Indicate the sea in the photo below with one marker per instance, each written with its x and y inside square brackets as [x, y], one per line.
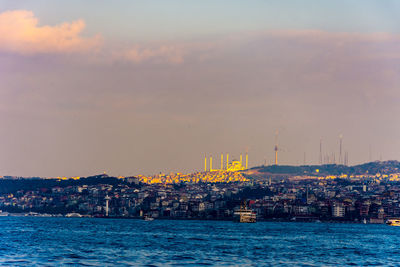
[38, 241]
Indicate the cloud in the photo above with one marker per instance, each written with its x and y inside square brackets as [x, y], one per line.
[167, 52]
[300, 46]
[164, 53]
[20, 33]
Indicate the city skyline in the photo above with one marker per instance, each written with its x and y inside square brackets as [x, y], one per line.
[138, 88]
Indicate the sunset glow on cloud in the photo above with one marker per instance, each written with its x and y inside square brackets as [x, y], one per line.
[20, 33]
[165, 53]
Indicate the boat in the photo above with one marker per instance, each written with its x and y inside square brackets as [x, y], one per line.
[4, 213]
[73, 215]
[393, 222]
[245, 215]
[148, 218]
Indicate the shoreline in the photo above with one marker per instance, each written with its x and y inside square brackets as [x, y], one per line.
[292, 220]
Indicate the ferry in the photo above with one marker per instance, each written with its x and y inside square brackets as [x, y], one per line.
[245, 215]
[4, 213]
[393, 222]
[73, 215]
[148, 218]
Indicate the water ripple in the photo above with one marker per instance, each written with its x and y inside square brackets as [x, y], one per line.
[98, 242]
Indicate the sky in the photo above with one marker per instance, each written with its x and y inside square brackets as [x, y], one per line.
[142, 87]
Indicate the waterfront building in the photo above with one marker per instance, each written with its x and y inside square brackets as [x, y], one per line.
[338, 210]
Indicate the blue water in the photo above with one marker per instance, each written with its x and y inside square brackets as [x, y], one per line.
[27, 241]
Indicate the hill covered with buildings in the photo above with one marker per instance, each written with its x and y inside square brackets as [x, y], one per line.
[368, 191]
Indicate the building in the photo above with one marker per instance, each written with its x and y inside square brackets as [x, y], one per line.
[338, 210]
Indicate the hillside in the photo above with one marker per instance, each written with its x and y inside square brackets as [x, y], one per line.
[382, 167]
[13, 185]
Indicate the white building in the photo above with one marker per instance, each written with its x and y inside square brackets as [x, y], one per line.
[338, 210]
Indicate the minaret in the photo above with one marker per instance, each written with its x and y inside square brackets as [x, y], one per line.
[247, 161]
[227, 161]
[205, 163]
[241, 160]
[107, 198]
[222, 161]
[210, 163]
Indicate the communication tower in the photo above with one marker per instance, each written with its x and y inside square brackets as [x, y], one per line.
[340, 149]
[276, 148]
[320, 151]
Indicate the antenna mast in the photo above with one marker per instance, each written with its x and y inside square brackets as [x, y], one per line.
[340, 149]
[320, 151]
[276, 147]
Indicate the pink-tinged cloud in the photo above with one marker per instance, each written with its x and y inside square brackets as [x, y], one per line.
[20, 33]
[173, 54]
[167, 52]
[305, 44]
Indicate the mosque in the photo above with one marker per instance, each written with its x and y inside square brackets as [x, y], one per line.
[233, 166]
